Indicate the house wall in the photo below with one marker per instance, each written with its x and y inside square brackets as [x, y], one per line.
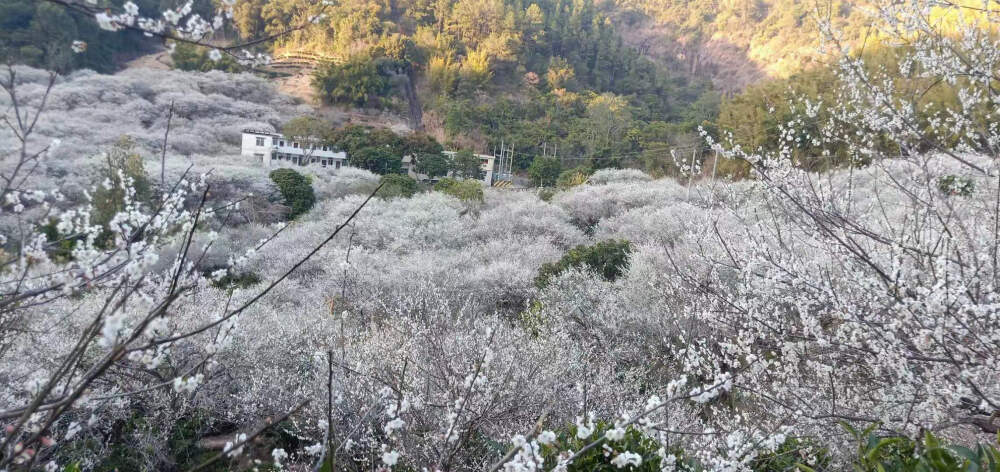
[250, 149]
[277, 149]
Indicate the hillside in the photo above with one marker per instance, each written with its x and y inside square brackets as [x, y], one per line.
[599, 83]
[736, 43]
[816, 292]
[477, 73]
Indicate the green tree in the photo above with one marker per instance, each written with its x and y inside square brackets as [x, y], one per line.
[544, 171]
[41, 34]
[560, 74]
[356, 137]
[421, 143]
[121, 162]
[296, 191]
[124, 180]
[398, 186]
[433, 165]
[308, 129]
[356, 82]
[608, 117]
[378, 159]
[467, 165]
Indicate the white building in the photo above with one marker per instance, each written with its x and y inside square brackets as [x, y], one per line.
[269, 148]
[485, 164]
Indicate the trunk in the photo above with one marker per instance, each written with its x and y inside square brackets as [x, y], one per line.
[416, 112]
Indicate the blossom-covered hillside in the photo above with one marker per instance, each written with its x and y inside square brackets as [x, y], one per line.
[87, 112]
[836, 308]
[430, 303]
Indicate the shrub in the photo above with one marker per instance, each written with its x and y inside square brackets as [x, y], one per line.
[122, 164]
[295, 189]
[237, 280]
[573, 177]
[607, 258]
[930, 454]
[544, 171]
[954, 185]
[465, 190]
[60, 245]
[546, 194]
[598, 459]
[793, 454]
[397, 186]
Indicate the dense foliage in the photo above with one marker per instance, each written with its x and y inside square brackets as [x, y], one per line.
[608, 259]
[465, 190]
[544, 171]
[357, 82]
[41, 34]
[397, 186]
[296, 191]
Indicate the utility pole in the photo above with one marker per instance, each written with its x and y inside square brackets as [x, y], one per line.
[503, 148]
[510, 161]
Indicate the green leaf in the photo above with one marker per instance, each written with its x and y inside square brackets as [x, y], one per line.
[881, 443]
[849, 428]
[965, 452]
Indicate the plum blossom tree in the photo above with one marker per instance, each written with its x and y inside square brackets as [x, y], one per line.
[751, 315]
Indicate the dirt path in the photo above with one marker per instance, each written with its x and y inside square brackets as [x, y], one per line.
[159, 60]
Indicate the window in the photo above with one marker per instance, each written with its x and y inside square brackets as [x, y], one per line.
[260, 141]
[274, 156]
[281, 143]
[338, 165]
[325, 148]
[295, 145]
[259, 155]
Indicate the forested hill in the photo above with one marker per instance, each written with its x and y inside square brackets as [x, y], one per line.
[735, 42]
[590, 83]
[538, 75]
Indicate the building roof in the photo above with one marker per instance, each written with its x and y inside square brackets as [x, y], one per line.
[261, 132]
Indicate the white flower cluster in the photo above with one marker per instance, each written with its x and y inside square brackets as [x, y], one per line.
[228, 448]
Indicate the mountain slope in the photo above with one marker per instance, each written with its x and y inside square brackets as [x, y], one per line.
[735, 43]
